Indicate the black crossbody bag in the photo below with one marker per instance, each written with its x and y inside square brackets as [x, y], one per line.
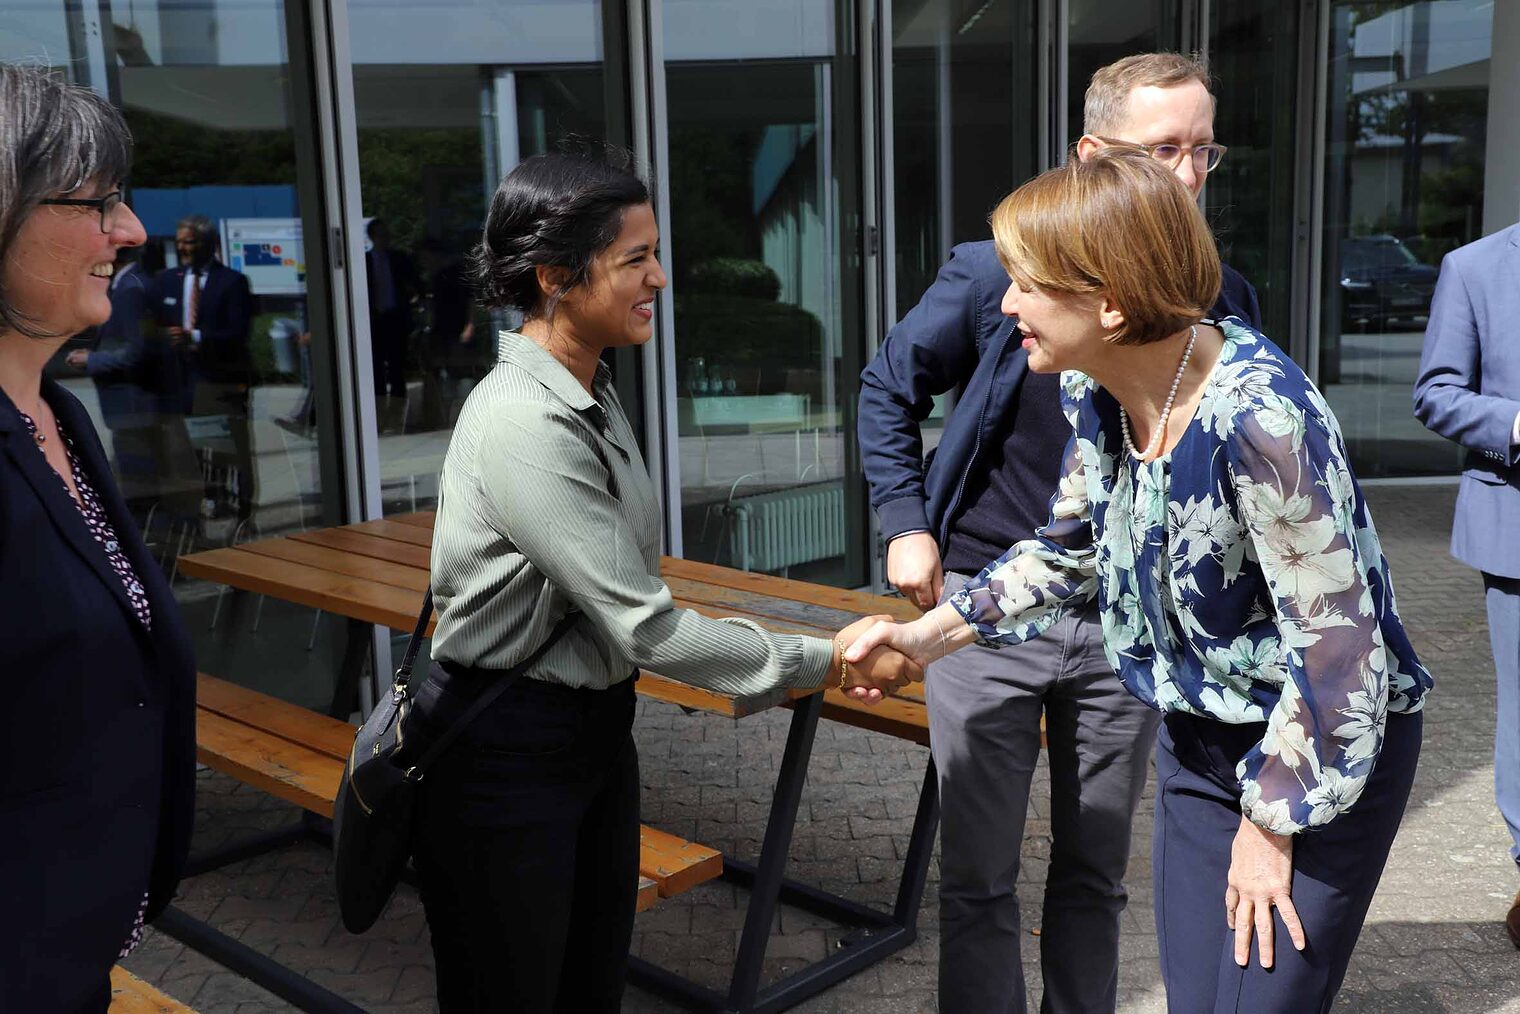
[372, 818]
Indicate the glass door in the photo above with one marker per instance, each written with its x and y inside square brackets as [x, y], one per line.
[449, 96]
[1406, 131]
[765, 253]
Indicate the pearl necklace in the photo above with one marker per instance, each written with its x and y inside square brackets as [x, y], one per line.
[1166, 408]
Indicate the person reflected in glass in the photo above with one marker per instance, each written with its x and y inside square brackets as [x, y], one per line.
[97, 737]
[1208, 506]
[451, 354]
[205, 311]
[393, 285]
[527, 831]
[118, 364]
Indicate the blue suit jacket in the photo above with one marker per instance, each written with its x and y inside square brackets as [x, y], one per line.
[225, 317]
[119, 361]
[957, 334]
[1469, 391]
[97, 732]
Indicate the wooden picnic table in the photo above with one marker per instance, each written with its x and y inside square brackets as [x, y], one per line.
[375, 572]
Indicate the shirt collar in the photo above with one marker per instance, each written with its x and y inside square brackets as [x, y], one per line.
[534, 360]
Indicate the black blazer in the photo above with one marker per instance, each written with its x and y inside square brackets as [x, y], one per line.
[97, 727]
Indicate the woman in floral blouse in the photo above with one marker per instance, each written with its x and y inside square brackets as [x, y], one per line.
[1207, 503]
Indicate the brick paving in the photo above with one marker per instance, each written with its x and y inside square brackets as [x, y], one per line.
[1433, 940]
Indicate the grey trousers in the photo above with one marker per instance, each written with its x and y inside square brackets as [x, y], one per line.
[984, 728]
[1503, 597]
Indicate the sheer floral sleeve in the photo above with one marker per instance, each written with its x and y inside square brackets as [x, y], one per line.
[1295, 495]
[1028, 589]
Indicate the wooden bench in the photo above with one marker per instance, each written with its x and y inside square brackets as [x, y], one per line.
[298, 755]
[130, 995]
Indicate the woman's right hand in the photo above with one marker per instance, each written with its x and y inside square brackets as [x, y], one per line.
[918, 640]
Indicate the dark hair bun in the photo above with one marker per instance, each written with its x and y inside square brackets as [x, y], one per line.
[559, 209]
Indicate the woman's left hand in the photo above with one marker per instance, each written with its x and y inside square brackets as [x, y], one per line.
[1261, 878]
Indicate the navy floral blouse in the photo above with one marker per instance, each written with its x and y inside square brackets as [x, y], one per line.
[1239, 578]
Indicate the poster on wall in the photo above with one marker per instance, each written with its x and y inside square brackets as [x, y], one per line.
[269, 252]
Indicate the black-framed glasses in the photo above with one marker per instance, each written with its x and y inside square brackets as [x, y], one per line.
[106, 205]
[1206, 157]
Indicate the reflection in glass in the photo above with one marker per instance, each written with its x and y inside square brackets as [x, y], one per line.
[1099, 32]
[1407, 131]
[1253, 49]
[450, 96]
[760, 301]
[198, 395]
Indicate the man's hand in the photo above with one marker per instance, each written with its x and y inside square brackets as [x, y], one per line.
[1260, 879]
[180, 337]
[881, 672]
[913, 568]
[79, 358]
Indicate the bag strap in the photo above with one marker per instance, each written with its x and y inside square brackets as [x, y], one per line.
[404, 674]
[485, 700]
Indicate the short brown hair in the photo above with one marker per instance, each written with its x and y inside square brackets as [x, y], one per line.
[1120, 223]
[1107, 103]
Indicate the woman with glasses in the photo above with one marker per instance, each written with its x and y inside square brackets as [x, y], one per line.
[97, 738]
[1207, 505]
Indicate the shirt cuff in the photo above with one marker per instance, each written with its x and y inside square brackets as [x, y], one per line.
[910, 531]
[1514, 432]
[820, 660]
[195, 335]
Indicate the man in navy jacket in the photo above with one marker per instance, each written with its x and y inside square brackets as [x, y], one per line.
[205, 309]
[986, 486]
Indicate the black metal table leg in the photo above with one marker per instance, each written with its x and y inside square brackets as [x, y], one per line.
[356, 655]
[288, 985]
[779, 828]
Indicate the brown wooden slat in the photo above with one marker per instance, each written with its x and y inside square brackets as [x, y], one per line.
[661, 688]
[290, 722]
[307, 586]
[894, 716]
[396, 531]
[367, 545]
[421, 519]
[337, 561]
[853, 602]
[130, 995]
[675, 864]
[296, 774]
[649, 893]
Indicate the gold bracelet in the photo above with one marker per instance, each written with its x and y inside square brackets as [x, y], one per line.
[844, 667]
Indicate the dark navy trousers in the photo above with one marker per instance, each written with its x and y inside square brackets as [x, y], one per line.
[1336, 868]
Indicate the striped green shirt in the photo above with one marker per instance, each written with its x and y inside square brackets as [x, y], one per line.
[544, 506]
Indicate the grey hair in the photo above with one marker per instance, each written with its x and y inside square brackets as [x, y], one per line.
[55, 139]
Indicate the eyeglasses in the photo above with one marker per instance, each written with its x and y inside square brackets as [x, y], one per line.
[1206, 157]
[106, 205]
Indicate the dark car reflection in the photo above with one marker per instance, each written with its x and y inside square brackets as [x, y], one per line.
[1383, 283]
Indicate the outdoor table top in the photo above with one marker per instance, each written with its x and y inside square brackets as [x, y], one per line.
[377, 571]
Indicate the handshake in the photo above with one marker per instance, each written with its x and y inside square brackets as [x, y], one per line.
[879, 657]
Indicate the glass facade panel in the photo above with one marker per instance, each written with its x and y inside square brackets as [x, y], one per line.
[202, 396]
[765, 279]
[1253, 54]
[1098, 32]
[959, 144]
[1406, 125]
[449, 98]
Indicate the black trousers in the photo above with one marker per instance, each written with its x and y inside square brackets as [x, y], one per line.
[527, 845]
[389, 331]
[1336, 868]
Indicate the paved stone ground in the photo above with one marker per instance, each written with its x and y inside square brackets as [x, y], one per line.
[1433, 941]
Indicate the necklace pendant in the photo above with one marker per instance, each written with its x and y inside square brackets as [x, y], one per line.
[40, 437]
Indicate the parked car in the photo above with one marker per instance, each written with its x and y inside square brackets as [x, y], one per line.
[1382, 281]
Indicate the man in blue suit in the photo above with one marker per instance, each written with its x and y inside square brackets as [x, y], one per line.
[1469, 391]
[118, 365]
[987, 486]
[205, 309]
